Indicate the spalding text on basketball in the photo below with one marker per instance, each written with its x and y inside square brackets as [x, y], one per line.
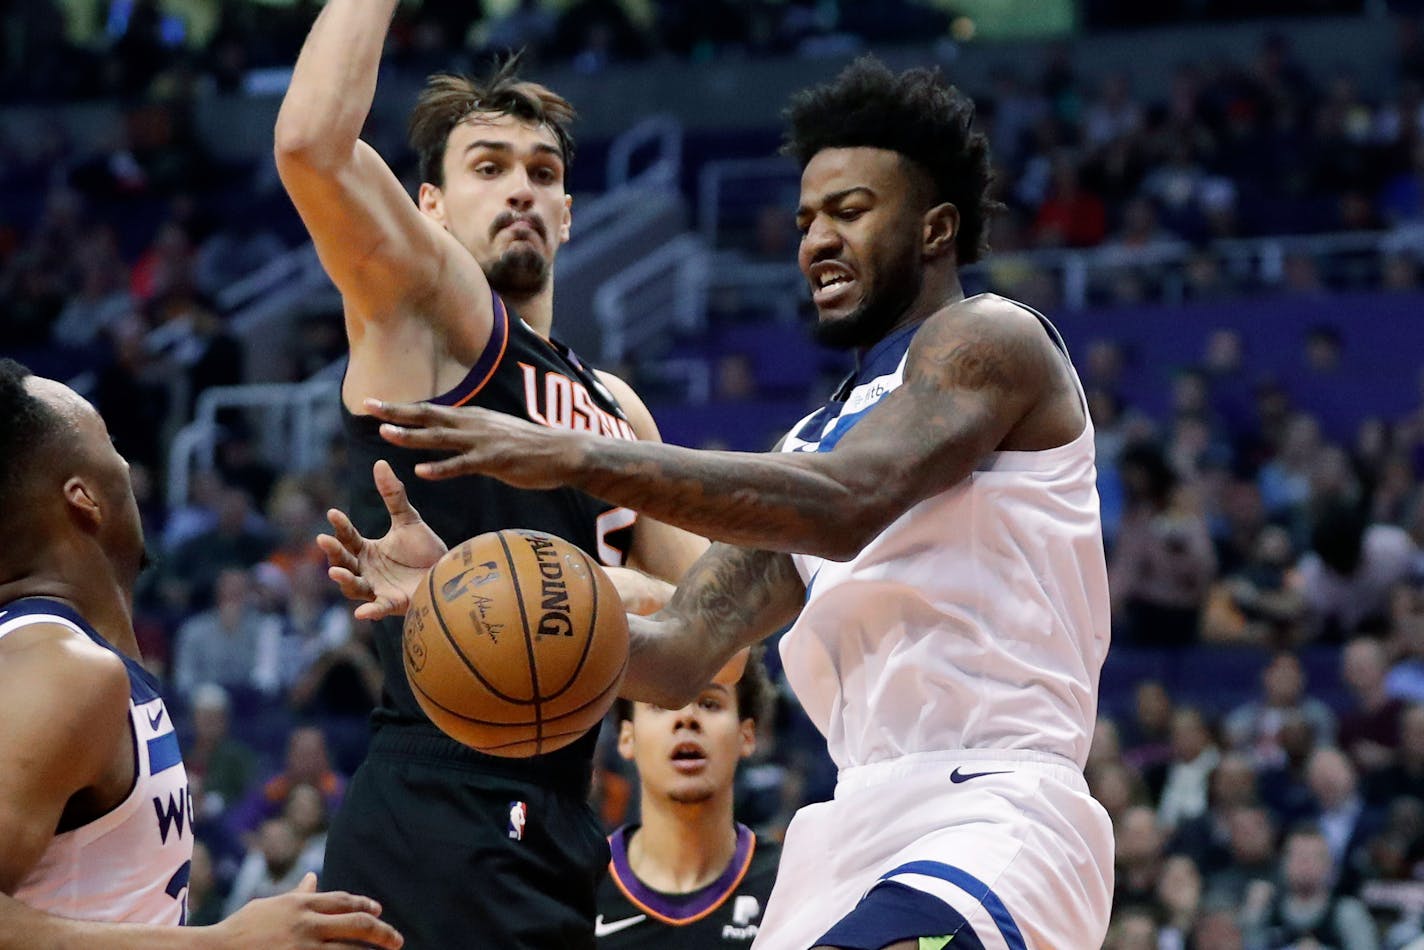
[553, 592]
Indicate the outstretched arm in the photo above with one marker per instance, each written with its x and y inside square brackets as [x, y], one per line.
[731, 598]
[373, 241]
[974, 372]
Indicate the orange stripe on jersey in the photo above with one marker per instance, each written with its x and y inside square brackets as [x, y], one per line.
[684, 921]
[501, 322]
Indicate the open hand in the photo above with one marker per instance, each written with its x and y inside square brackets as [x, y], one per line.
[303, 919]
[512, 450]
[381, 574]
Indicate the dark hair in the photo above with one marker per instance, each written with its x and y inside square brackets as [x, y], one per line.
[448, 99]
[916, 114]
[755, 693]
[26, 424]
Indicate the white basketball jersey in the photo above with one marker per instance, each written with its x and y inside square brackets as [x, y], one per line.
[979, 619]
[132, 864]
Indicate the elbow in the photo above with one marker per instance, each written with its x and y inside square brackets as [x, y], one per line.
[842, 539]
[298, 144]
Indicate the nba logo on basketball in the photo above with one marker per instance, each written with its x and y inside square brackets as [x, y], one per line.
[518, 812]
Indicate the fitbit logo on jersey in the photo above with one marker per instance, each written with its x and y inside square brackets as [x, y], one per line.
[553, 592]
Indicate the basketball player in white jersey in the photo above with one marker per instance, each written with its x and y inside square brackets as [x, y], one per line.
[95, 815]
[934, 533]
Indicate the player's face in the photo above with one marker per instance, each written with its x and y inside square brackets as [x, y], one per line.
[688, 755]
[861, 235]
[103, 474]
[504, 199]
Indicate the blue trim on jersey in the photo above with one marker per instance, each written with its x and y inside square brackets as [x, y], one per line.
[143, 687]
[163, 753]
[882, 359]
[893, 912]
[967, 882]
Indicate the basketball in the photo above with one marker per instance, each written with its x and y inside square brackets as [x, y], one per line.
[516, 643]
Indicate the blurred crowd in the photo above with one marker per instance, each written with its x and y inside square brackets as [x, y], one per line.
[1239, 519]
[68, 49]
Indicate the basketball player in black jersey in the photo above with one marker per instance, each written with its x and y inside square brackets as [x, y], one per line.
[688, 876]
[450, 299]
[94, 843]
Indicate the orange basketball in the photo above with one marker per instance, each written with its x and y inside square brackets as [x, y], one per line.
[516, 643]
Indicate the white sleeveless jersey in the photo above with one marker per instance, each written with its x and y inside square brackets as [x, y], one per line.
[132, 864]
[979, 619]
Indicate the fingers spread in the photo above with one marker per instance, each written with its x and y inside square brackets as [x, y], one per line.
[353, 587]
[346, 532]
[435, 437]
[393, 494]
[359, 928]
[409, 413]
[336, 553]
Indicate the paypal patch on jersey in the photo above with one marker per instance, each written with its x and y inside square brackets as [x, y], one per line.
[881, 371]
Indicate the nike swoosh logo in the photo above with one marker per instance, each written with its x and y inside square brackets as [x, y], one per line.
[601, 929]
[153, 721]
[957, 776]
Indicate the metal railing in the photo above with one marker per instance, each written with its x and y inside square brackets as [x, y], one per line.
[665, 290]
[296, 423]
[662, 134]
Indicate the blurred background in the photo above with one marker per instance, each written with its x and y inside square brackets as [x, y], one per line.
[1220, 202]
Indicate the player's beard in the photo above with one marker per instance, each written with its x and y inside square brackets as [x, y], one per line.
[896, 287]
[518, 272]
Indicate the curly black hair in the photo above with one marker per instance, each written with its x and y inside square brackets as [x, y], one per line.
[26, 424]
[915, 113]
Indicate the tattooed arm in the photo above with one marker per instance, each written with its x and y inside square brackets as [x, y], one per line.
[982, 375]
[731, 598]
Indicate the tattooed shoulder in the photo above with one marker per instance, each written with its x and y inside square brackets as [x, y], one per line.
[976, 345]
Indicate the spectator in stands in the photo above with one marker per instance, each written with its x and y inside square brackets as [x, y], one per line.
[1261, 602]
[232, 644]
[1133, 928]
[1179, 895]
[1405, 679]
[1344, 820]
[234, 542]
[1206, 839]
[1117, 788]
[1256, 726]
[1070, 216]
[1304, 906]
[272, 865]
[306, 763]
[1405, 777]
[306, 812]
[1139, 857]
[1217, 930]
[1194, 757]
[1285, 479]
[1369, 732]
[226, 765]
[1163, 562]
[1350, 570]
[1251, 848]
[1146, 742]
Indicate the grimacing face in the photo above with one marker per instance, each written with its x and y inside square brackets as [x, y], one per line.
[503, 199]
[861, 218]
[688, 755]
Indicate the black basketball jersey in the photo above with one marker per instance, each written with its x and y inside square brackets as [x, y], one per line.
[722, 915]
[524, 375]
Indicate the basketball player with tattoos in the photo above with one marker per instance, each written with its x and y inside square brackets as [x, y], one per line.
[933, 532]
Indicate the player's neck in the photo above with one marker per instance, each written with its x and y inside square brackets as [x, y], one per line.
[939, 289]
[681, 848]
[537, 310]
[101, 600]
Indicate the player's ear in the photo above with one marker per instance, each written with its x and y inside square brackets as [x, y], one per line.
[941, 225]
[566, 218]
[626, 745]
[432, 201]
[749, 733]
[83, 502]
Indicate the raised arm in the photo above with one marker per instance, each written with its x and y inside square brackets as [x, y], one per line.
[379, 249]
[977, 374]
[731, 598]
